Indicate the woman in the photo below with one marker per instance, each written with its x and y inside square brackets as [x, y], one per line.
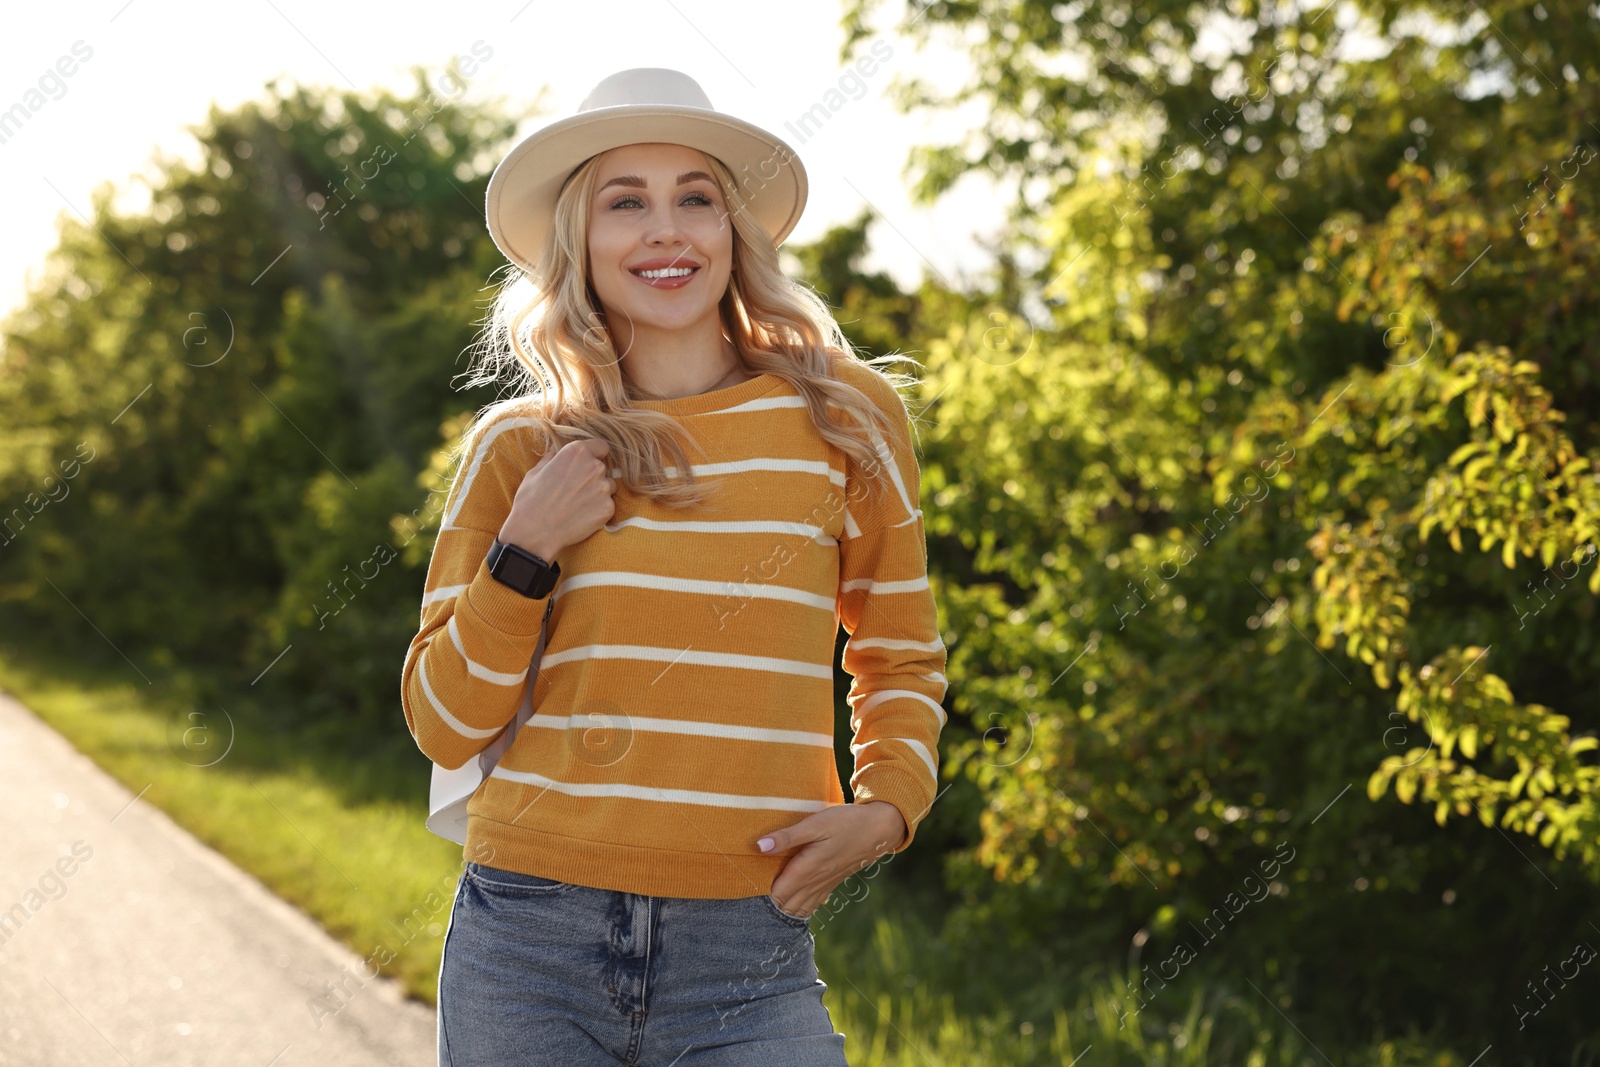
[700, 482]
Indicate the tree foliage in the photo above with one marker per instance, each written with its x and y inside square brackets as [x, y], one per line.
[260, 365]
[1266, 498]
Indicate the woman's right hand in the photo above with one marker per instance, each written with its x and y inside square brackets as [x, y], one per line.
[564, 498]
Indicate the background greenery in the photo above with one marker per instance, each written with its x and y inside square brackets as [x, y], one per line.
[1261, 494]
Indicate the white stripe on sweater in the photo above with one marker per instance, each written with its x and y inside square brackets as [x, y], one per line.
[873, 699]
[897, 643]
[666, 796]
[679, 655]
[757, 463]
[444, 592]
[733, 526]
[478, 670]
[851, 530]
[477, 462]
[444, 713]
[916, 746]
[909, 585]
[639, 580]
[762, 404]
[625, 722]
[894, 470]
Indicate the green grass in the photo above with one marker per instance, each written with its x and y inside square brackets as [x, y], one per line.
[333, 824]
[907, 997]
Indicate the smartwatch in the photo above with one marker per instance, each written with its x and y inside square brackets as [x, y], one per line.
[522, 570]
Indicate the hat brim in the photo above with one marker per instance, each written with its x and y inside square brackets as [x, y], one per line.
[521, 198]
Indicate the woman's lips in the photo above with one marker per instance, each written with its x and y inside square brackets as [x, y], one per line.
[668, 283]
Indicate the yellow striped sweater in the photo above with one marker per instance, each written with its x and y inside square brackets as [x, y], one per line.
[684, 704]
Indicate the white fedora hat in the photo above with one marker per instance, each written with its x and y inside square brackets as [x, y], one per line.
[645, 104]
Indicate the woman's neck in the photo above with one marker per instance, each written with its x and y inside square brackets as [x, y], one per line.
[668, 379]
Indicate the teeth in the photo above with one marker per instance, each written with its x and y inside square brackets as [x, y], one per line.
[669, 272]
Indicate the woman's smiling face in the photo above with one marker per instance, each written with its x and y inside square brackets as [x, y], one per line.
[660, 243]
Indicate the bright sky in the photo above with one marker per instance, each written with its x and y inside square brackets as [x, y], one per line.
[143, 70]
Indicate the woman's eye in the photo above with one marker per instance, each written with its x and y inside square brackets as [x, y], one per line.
[634, 200]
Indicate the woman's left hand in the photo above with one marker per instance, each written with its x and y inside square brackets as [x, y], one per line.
[829, 847]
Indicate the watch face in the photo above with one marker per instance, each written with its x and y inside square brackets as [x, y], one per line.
[517, 570]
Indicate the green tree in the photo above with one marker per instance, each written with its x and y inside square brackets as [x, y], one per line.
[1259, 476]
[259, 364]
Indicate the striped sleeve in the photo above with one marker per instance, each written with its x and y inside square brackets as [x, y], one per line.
[894, 654]
[466, 667]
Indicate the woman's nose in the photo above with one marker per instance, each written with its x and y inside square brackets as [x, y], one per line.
[661, 225]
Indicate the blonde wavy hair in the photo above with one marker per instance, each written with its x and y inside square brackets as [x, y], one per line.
[546, 338]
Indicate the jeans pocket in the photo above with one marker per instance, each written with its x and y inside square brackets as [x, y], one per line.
[514, 883]
[793, 920]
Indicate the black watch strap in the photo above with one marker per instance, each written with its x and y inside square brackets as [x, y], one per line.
[522, 570]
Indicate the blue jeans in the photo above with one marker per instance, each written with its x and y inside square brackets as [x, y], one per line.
[536, 971]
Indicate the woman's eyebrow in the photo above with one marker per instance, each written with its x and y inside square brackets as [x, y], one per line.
[637, 182]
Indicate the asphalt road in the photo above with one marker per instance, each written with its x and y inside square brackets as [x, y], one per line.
[125, 941]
